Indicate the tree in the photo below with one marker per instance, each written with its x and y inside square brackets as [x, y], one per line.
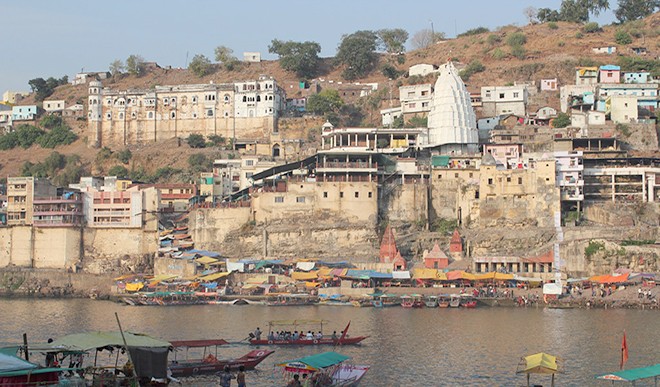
[200, 65]
[578, 11]
[225, 56]
[118, 170]
[198, 162]
[530, 13]
[393, 40]
[50, 121]
[327, 101]
[425, 38]
[135, 65]
[216, 140]
[357, 52]
[516, 39]
[635, 9]
[28, 135]
[545, 15]
[196, 141]
[622, 37]
[59, 135]
[117, 67]
[299, 57]
[43, 88]
[562, 121]
[124, 156]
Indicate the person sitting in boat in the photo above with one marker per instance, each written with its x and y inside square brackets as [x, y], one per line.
[319, 336]
[309, 335]
[295, 382]
[334, 335]
[271, 336]
[257, 333]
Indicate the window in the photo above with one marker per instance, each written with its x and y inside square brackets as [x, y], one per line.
[248, 174]
[357, 194]
[520, 180]
[501, 95]
[370, 195]
[249, 163]
[300, 199]
[325, 195]
[490, 181]
[456, 175]
[173, 115]
[151, 115]
[439, 176]
[121, 116]
[341, 194]
[508, 179]
[515, 95]
[133, 115]
[194, 99]
[108, 116]
[471, 174]
[279, 199]
[209, 113]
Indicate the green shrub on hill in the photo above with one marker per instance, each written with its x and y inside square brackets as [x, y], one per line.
[474, 31]
[622, 37]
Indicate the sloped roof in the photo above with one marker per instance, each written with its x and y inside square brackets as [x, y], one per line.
[436, 253]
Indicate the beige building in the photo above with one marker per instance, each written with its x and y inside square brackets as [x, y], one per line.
[21, 192]
[233, 110]
[53, 105]
[415, 100]
[622, 108]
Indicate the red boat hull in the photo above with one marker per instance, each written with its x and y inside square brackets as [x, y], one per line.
[323, 341]
[201, 367]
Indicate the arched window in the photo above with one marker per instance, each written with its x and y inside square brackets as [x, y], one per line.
[226, 98]
[151, 115]
[173, 115]
[108, 116]
[121, 116]
[244, 99]
[133, 115]
[258, 98]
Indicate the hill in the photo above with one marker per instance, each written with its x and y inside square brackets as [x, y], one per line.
[550, 50]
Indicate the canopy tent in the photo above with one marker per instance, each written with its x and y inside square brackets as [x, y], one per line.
[214, 276]
[493, 275]
[634, 374]
[93, 340]
[460, 275]
[401, 274]
[207, 253]
[539, 363]
[206, 260]
[610, 279]
[429, 274]
[158, 279]
[315, 362]
[134, 286]
[235, 266]
[10, 363]
[305, 266]
[304, 276]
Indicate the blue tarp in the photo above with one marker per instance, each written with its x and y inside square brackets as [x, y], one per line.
[367, 274]
[210, 285]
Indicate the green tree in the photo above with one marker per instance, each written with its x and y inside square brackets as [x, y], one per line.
[216, 140]
[118, 170]
[393, 40]
[225, 56]
[164, 174]
[474, 31]
[417, 122]
[635, 9]
[198, 162]
[200, 65]
[325, 102]
[54, 162]
[545, 15]
[390, 71]
[196, 141]
[561, 121]
[59, 135]
[28, 135]
[8, 141]
[578, 11]
[124, 156]
[622, 37]
[516, 39]
[135, 65]
[50, 121]
[357, 52]
[474, 67]
[117, 67]
[301, 58]
[44, 88]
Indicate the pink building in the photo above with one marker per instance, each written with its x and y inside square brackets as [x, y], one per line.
[509, 155]
[609, 74]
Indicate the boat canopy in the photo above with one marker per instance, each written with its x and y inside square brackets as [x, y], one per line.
[633, 375]
[539, 363]
[93, 340]
[401, 274]
[315, 362]
[198, 343]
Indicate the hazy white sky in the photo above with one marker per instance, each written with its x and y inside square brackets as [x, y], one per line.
[43, 38]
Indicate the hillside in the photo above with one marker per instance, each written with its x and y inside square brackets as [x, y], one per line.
[548, 52]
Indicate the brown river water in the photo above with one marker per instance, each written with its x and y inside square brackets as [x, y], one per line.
[420, 347]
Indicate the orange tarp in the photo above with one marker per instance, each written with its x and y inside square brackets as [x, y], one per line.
[459, 274]
[609, 279]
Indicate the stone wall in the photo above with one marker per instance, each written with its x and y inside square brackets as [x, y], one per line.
[209, 226]
[52, 283]
[407, 203]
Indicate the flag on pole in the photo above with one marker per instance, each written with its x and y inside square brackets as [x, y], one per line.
[624, 350]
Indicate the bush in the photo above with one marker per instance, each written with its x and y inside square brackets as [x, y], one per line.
[516, 39]
[553, 26]
[591, 28]
[196, 141]
[474, 31]
[216, 140]
[28, 135]
[60, 135]
[624, 129]
[474, 67]
[562, 121]
[50, 121]
[498, 53]
[444, 226]
[118, 170]
[561, 43]
[579, 35]
[519, 52]
[124, 156]
[622, 37]
[593, 248]
[493, 39]
[198, 162]
[390, 71]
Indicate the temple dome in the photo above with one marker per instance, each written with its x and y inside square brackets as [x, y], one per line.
[451, 119]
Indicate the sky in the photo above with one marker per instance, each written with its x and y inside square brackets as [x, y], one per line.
[44, 38]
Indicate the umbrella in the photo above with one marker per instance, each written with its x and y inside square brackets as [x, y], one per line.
[539, 363]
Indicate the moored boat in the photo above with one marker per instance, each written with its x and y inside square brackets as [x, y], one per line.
[299, 337]
[324, 369]
[443, 302]
[209, 363]
[468, 302]
[292, 300]
[431, 302]
[382, 300]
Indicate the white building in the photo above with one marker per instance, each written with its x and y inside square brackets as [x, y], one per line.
[389, 115]
[585, 119]
[623, 108]
[549, 84]
[569, 176]
[53, 105]
[254, 57]
[422, 70]
[415, 99]
[498, 100]
[258, 98]
[451, 120]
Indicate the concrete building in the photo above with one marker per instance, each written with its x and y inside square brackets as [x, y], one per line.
[637, 77]
[576, 95]
[609, 74]
[622, 108]
[422, 70]
[609, 50]
[498, 100]
[173, 197]
[51, 106]
[647, 94]
[234, 110]
[21, 193]
[115, 209]
[452, 124]
[369, 140]
[584, 119]
[226, 177]
[388, 116]
[570, 178]
[24, 112]
[252, 56]
[63, 210]
[586, 76]
[550, 84]
[76, 111]
[415, 100]
[622, 184]
[507, 156]
[14, 97]
[436, 258]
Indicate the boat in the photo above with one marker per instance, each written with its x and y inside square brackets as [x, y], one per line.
[455, 301]
[294, 326]
[412, 301]
[209, 363]
[325, 369]
[382, 300]
[292, 300]
[443, 301]
[334, 300]
[468, 302]
[431, 302]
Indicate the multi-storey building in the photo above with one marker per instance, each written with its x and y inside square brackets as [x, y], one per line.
[415, 100]
[499, 100]
[21, 192]
[62, 210]
[232, 110]
[173, 197]
[108, 209]
[570, 179]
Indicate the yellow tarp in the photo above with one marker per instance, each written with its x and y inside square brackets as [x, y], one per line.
[159, 278]
[493, 276]
[206, 260]
[540, 363]
[312, 284]
[304, 276]
[324, 272]
[134, 287]
[431, 274]
[214, 276]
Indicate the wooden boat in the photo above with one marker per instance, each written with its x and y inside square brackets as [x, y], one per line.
[443, 302]
[468, 302]
[209, 362]
[381, 300]
[413, 301]
[455, 301]
[297, 326]
[292, 300]
[325, 369]
[431, 302]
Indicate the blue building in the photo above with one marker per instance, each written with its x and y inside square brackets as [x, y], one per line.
[26, 112]
[640, 77]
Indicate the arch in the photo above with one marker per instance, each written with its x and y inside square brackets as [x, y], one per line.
[226, 98]
[173, 115]
[151, 115]
[258, 98]
[244, 99]
[121, 116]
[276, 150]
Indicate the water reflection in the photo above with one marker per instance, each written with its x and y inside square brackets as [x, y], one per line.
[440, 347]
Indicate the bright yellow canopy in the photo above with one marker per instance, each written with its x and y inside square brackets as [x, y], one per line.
[304, 276]
[162, 277]
[206, 260]
[214, 276]
[493, 276]
[540, 363]
[430, 274]
[134, 287]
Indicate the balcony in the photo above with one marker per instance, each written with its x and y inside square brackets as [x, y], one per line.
[571, 183]
[344, 166]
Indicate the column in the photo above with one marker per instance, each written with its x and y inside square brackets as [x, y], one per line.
[613, 189]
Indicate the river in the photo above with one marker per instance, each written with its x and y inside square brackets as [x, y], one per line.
[420, 347]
